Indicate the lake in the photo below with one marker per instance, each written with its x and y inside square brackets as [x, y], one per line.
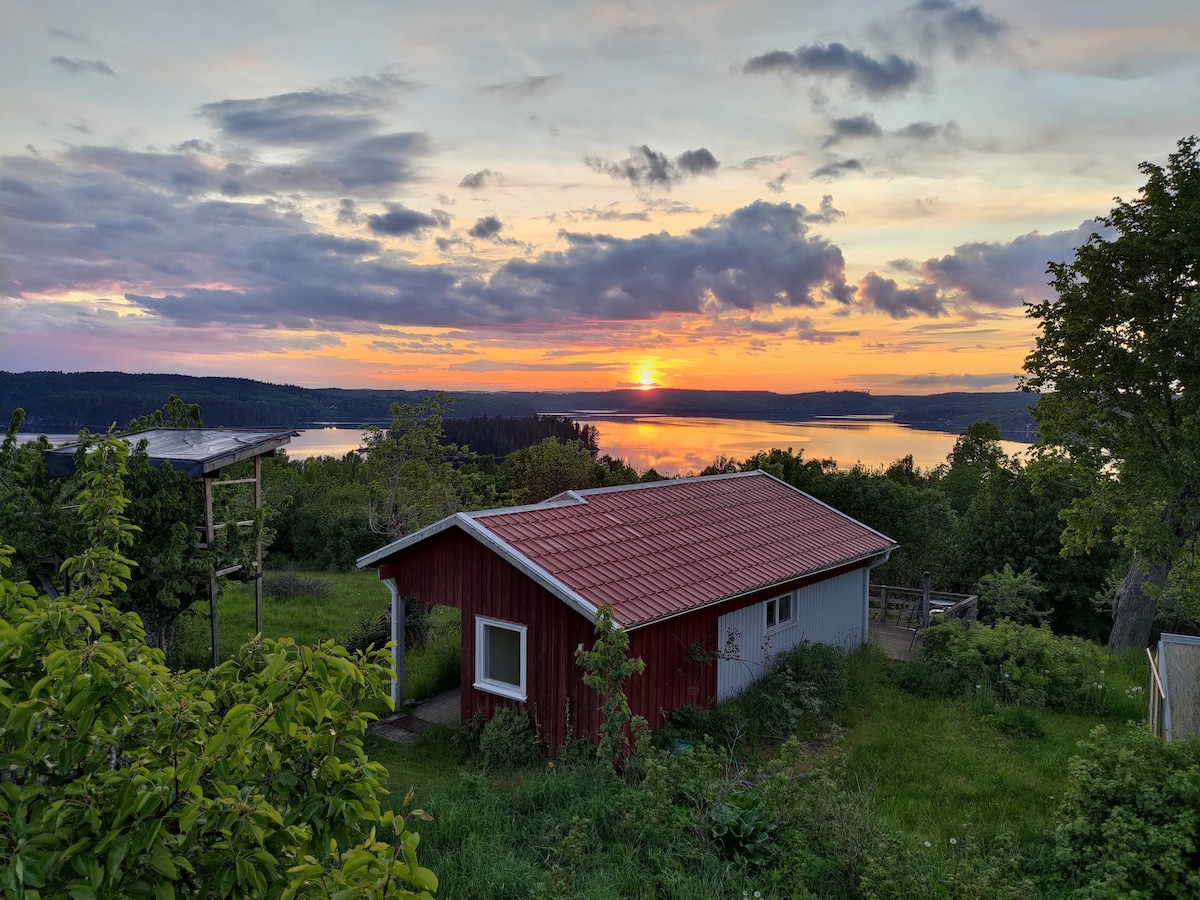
[677, 445]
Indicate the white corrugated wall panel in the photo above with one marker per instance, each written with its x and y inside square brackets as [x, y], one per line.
[828, 612]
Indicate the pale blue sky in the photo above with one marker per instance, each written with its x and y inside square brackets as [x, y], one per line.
[566, 195]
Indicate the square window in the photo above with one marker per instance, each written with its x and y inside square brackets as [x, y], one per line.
[779, 612]
[501, 658]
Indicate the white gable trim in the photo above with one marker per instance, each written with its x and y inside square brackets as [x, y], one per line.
[466, 522]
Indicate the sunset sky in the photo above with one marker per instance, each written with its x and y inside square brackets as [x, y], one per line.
[787, 196]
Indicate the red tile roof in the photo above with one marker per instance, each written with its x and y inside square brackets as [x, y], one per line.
[656, 550]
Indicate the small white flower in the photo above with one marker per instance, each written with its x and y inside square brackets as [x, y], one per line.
[953, 840]
[927, 844]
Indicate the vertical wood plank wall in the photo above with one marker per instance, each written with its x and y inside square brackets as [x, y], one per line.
[452, 569]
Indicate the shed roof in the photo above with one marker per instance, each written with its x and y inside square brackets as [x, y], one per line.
[195, 451]
[652, 551]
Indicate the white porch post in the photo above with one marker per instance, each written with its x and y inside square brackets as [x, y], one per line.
[398, 641]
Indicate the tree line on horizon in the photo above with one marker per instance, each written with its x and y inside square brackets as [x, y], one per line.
[67, 402]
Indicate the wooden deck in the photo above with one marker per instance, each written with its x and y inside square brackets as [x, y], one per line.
[403, 728]
[897, 641]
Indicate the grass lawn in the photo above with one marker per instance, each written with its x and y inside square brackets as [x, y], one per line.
[349, 602]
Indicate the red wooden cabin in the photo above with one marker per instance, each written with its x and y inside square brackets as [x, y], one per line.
[710, 576]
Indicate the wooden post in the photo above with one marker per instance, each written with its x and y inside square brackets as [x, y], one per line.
[398, 612]
[883, 604]
[925, 601]
[210, 536]
[258, 618]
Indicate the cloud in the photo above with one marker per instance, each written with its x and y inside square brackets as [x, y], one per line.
[611, 213]
[900, 303]
[877, 78]
[399, 221]
[756, 257]
[853, 128]
[480, 179]
[152, 231]
[491, 365]
[83, 66]
[835, 169]
[802, 329]
[991, 275]
[1005, 275]
[486, 228]
[311, 117]
[646, 168]
[936, 26]
[971, 382]
[775, 185]
[531, 86]
[64, 34]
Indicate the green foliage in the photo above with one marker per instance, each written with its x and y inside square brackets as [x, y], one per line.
[606, 666]
[1008, 595]
[1014, 520]
[414, 479]
[808, 683]
[1131, 819]
[975, 457]
[319, 511]
[172, 573]
[507, 742]
[549, 468]
[1116, 367]
[1021, 664]
[121, 778]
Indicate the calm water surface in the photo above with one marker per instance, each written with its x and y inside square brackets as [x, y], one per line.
[677, 445]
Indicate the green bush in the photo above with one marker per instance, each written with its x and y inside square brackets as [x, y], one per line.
[507, 742]
[1131, 819]
[1021, 664]
[807, 683]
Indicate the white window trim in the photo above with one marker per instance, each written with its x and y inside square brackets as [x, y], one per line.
[786, 623]
[501, 688]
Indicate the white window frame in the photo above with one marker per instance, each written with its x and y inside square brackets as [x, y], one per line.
[502, 688]
[771, 611]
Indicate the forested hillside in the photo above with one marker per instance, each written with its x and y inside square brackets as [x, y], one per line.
[57, 401]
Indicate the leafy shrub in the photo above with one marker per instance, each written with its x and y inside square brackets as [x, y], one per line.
[1131, 819]
[1022, 664]
[507, 742]
[1009, 595]
[292, 585]
[808, 682]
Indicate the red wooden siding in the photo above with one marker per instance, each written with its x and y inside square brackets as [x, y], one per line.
[452, 569]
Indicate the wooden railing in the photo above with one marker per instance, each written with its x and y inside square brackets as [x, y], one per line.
[913, 607]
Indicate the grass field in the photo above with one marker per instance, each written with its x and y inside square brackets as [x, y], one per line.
[896, 780]
[347, 603]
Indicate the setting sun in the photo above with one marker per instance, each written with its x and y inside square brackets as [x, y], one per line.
[645, 376]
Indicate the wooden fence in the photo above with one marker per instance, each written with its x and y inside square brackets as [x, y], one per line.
[913, 607]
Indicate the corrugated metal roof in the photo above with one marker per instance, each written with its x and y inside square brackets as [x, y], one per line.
[195, 451]
[656, 550]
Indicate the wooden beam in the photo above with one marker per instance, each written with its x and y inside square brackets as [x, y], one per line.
[236, 480]
[258, 556]
[210, 535]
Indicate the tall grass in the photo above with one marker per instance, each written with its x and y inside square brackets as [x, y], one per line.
[903, 795]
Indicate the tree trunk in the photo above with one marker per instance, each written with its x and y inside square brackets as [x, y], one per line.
[1134, 610]
[160, 627]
